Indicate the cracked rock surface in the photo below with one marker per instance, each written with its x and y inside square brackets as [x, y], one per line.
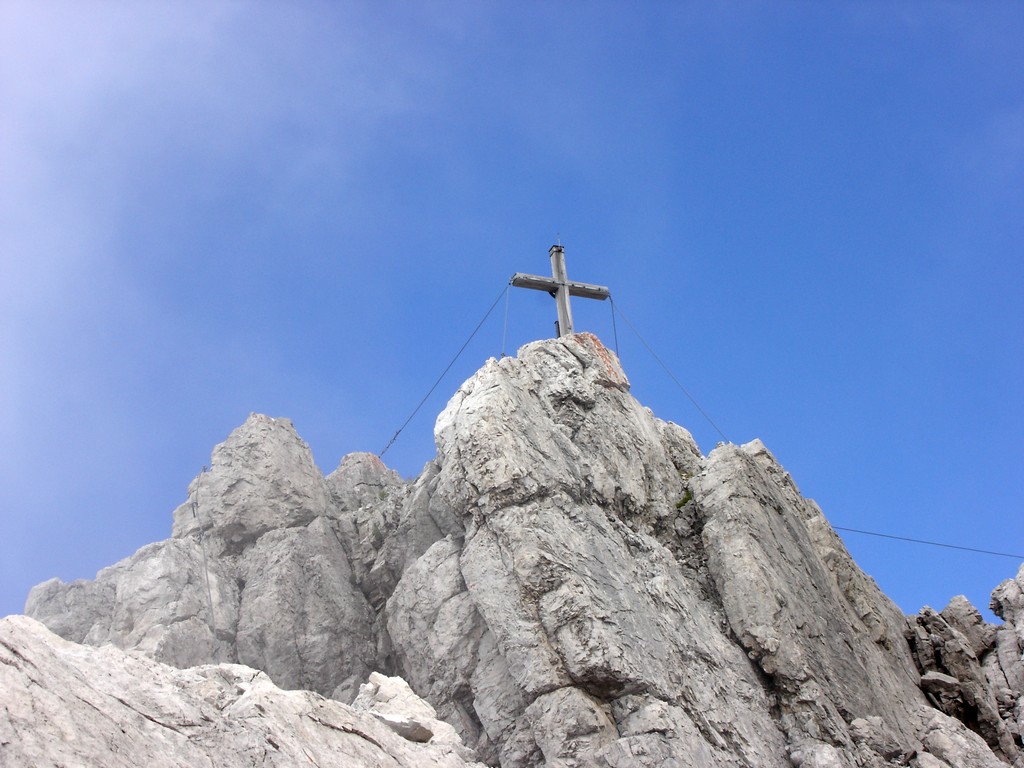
[570, 582]
[69, 704]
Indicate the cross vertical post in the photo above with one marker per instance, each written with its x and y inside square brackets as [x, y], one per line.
[557, 254]
[561, 288]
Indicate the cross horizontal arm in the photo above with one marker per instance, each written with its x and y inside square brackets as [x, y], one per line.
[588, 291]
[538, 283]
[519, 280]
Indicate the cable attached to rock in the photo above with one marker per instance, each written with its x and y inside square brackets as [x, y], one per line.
[202, 548]
[684, 390]
[443, 373]
[929, 543]
[504, 330]
[615, 328]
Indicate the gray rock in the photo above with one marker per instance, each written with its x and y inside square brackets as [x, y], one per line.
[830, 643]
[562, 561]
[72, 610]
[1008, 600]
[256, 572]
[967, 620]
[69, 704]
[952, 742]
[936, 682]
[1004, 665]
[873, 734]
[570, 727]
[301, 619]
[260, 479]
[960, 683]
[155, 601]
[362, 480]
[391, 700]
[569, 582]
[1008, 604]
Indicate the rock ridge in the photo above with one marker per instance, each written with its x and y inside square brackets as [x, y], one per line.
[569, 582]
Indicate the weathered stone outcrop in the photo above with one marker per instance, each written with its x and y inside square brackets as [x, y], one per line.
[831, 643]
[568, 583]
[155, 601]
[973, 670]
[255, 571]
[262, 478]
[70, 704]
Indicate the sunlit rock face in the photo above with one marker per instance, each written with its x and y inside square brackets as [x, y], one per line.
[79, 705]
[254, 573]
[570, 582]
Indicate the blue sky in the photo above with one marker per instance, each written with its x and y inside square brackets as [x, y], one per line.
[812, 212]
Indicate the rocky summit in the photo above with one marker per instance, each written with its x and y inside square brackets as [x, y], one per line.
[570, 582]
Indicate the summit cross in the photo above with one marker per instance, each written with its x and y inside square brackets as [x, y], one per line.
[559, 286]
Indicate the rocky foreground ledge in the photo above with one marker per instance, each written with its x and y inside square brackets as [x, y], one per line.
[568, 583]
[77, 705]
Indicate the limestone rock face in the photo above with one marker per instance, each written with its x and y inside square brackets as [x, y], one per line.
[155, 601]
[255, 573]
[261, 478]
[300, 618]
[570, 582]
[822, 632]
[1008, 604]
[974, 671]
[361, 480]
[69, 704]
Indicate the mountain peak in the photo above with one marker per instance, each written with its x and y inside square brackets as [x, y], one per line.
[261, 478]
[569, 582]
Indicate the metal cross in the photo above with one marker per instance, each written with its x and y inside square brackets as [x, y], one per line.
[559, 286]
